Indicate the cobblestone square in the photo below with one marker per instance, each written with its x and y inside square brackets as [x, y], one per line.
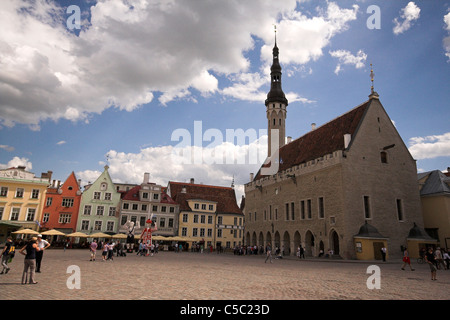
[212, 276]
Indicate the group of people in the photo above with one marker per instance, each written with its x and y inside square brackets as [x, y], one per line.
[108, 248]
[33, 251]
[434, 258]
[146, 249]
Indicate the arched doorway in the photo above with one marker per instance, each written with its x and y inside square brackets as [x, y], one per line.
[261, 239]
[253, 242]
[334, 242]
[277, 243]
[247, 238]
[297, 239]
[268, 239]
[286, 245]
[309, 244]
[321, 248]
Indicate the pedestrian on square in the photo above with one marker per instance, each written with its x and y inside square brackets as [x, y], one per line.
[406, 260]
[302, 252]
[119, 249]
[30, 260]
[439, 258]
[141, 249]
[268, 253]
[431, 260]
[111, 245]
[6, 255]
[383, 253]
[93, 249]
[105, 250]
[446, 257]
[43, 245]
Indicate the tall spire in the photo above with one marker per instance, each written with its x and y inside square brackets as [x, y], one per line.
[276, 104]
[276, 93]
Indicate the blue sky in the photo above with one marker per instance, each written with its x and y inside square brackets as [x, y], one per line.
[114, 91]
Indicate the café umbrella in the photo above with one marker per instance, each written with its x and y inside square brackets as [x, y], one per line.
[77, 235]
[99, 235]
[25, 231]
[53, 232]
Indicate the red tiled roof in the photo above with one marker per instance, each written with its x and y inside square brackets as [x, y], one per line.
[321, 141]
[133, 195]
[224, 196]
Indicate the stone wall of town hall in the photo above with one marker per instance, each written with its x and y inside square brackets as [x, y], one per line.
[278, 202]
[379, 166]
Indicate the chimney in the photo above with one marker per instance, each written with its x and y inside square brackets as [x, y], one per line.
[146, 178]
[289, 139]
[347, 139]
[79, 182]
[313, 126]
[192, 180]
[251, 176]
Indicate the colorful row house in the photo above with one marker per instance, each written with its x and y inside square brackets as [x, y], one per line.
[22, 198]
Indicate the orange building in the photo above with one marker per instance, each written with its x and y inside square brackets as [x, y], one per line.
[61, 205]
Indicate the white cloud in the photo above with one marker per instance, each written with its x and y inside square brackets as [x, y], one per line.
[217, 164]
[16, 161]
[446, 41]
[59, 143]
[430, 146]
[6, 147]
[409, 14]
[345, 57]
[128, 53]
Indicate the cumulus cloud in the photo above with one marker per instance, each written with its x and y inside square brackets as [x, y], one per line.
[346, 57]
[217, 161]
[430, 146]
[408, 15]
[128, 53]
[16, 161]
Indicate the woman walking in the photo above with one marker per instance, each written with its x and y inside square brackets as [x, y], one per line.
[406, 260]
[30, 260]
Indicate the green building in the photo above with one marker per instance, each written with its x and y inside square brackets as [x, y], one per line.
[99, 207]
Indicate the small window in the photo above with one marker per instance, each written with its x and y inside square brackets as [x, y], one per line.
[367, 213]
[383, 156]
[321, 208]
[400, 210]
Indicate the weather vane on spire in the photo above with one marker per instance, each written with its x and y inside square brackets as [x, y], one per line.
[372, 75]
[275, 31]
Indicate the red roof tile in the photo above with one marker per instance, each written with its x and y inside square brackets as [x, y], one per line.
[321, 141]
[224, 196]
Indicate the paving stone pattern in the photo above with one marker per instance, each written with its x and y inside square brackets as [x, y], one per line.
[212, 276]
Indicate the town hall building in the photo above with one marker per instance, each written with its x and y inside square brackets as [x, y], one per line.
[348, 187]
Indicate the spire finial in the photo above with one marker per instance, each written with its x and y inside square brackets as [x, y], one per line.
[372, 75]
[373, 94]
[275, 31]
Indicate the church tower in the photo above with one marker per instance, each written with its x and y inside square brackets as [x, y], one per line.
[276, 104]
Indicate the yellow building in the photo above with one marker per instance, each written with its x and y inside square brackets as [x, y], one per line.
[435, 199]
[22, 196]
[209, 215]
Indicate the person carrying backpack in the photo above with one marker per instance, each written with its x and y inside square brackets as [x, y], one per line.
[7, 254]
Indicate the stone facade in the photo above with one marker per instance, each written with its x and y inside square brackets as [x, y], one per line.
[331, 181]
[321, 203]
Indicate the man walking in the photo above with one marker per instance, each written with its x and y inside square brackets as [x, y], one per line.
[6, 255]
[42, 245]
